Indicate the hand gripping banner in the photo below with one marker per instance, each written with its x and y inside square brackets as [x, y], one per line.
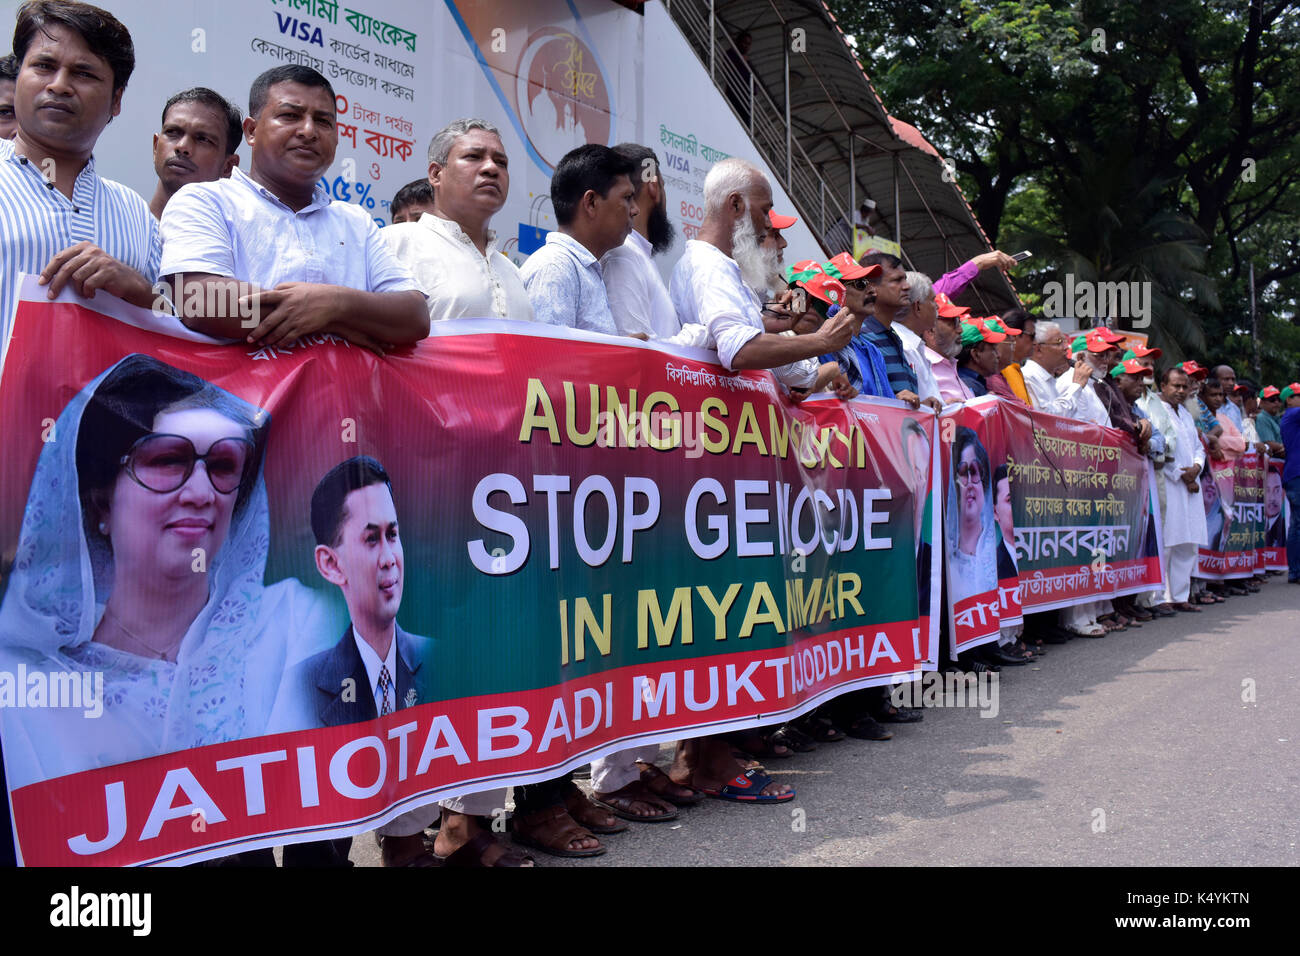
[260, 596]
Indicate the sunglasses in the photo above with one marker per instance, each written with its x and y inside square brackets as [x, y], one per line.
[163, 463]
[968, 471]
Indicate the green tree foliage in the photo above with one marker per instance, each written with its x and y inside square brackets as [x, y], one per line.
[1149, 141]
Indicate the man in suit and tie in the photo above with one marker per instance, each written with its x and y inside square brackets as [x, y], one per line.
[374, 669]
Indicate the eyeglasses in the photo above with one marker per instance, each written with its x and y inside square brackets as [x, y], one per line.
[860, 284]
[968, 471]
[163, 463]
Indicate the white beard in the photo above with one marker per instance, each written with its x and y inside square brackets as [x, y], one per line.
[759, 267]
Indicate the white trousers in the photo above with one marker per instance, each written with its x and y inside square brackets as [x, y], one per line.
[619, 769]
[485, 803]
[1179, 561]
[411, 822]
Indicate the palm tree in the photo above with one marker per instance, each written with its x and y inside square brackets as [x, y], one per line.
[1112, 222]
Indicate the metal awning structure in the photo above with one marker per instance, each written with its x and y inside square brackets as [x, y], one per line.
[812, 112]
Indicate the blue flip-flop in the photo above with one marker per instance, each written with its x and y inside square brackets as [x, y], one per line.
[748, 788]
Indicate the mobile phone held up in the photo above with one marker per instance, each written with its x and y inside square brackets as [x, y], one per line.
[1022, 256]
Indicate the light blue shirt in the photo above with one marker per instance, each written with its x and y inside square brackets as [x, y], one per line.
[239, 229]
[1233, 412]
[37, 222]
[565, 285]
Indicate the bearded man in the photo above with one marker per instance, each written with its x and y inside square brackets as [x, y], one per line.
[713, 282]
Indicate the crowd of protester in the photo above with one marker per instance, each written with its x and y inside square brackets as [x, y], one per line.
[866, 327]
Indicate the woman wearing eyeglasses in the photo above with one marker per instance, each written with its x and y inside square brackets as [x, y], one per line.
[972, 550]
[141, 558]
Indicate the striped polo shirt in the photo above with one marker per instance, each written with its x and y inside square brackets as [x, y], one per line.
[37, 222]
[899, 369]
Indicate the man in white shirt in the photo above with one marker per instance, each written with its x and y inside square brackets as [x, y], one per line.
[1051, 358]
[452, 254]
[269, 255]
[911, 327]
[1184, 514]
[641, 307]
[638, 299]
[1092, 350]
[592, 194]
[451, 251]
[713, 282]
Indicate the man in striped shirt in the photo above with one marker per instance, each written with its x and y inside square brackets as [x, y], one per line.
[58, 218]
[891, 302]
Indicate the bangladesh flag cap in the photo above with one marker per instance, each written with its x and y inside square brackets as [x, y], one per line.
[973, 333]
[846, 268]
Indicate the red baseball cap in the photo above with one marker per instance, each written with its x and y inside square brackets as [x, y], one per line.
[997, 325]
[1141, 351]
[1192, 369]
[1098, 342]
[826, 288]
[972, 333]
[1106, 334]
[778, 221]
[947, 309]
[1270, 391]
[1131, 366]
[845, 267]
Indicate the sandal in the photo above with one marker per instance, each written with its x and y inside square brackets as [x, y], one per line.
[790, 736]
[589, 814]
[899, 715]
[407, 852]
[619, 802]
[662, 786]
[552, 830]
[866, 728]
[820, 729]
[748, 788]
[761, 745]
[471, 854]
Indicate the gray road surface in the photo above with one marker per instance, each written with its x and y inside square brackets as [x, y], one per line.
[1136, 749]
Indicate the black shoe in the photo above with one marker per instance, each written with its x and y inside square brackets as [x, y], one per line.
[1163, 610]
[867, 728]
[1056, 635]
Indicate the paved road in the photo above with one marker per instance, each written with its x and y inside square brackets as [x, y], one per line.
[1145, 732]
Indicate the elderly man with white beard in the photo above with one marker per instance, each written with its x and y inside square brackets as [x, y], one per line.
[713, 286]
[713, 282]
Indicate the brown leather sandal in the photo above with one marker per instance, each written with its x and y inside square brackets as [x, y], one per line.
[662, 786]
[589, 814]
[552, 830]
[416, 851]
[472, 853]
[619, 802]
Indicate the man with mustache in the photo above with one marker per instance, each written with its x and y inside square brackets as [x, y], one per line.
[201, 131]
[713, 282]
[269, 256]
[451, 249]
[58, 217]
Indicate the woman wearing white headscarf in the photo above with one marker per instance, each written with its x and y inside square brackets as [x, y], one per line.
[141, 557]
[972, 533]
